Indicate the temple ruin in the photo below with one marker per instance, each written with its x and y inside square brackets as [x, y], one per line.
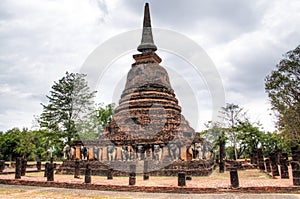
[147, 125]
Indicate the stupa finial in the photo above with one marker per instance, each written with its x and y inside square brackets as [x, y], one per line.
[147, 43]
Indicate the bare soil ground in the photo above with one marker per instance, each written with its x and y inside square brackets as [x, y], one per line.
[247, 178]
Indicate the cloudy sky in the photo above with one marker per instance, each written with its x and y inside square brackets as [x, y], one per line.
[42, 39]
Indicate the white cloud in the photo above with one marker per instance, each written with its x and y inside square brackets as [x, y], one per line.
[40, 40]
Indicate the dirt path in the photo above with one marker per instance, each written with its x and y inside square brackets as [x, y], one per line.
[16, 192]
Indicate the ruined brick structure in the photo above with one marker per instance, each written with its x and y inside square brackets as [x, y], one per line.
[148, 124]
[148, 114]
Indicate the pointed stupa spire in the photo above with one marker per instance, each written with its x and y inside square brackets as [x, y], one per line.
[147, 43]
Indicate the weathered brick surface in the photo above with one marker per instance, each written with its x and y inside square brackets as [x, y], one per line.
[195, 168]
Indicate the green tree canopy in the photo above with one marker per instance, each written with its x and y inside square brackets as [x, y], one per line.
[283, 89]
[24, 143]
[232, 115]
[94, 124]
[70, 100]
[249, 138]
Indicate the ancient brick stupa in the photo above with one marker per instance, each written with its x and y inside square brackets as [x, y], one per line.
[148, 113]
[147, 125]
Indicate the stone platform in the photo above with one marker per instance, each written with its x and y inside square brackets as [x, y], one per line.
[155, 168]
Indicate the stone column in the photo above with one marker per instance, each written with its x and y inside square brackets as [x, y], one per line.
[18, 168]
[77, 169]
[146, 174]
[267, 165]
[284, 171]
[181, 179]
[87, 174]
[132, 174]
[2, 165]
[234, 178]
[260, 159]
[274, 166]
[50, 172]
[23, 166]
[39, 165]
[222, 154]
[296, 166]
[109, 174]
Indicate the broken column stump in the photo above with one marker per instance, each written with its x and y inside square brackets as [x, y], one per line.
[132, 174]
[87, 174]
[23, 166]
[146, 174]
[18, 168]
[221, 166]
[222, 155]
[260, 159]
[295, 163]
[2, 165]
[77, 169]
[284, 170]
[39, 165]
[234, 178]
[50, 172]
[181, 179]
[110, 174]
[274, 165]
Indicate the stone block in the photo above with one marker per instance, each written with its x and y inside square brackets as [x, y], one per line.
[77, 169]
[109, 174]
[181, 179]
[18, 168]
[234, 178]
[39, 165]
[87, 174]
[23, 166]
[2, 165]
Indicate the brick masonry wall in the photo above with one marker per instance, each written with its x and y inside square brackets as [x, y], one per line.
[195, 168]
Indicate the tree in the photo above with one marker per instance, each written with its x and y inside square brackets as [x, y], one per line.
[9, 143]
[250, 138]
[94, 124]
[16, 143]
[232, 115]
[69, 101]
[213, 133]
[283, 89]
